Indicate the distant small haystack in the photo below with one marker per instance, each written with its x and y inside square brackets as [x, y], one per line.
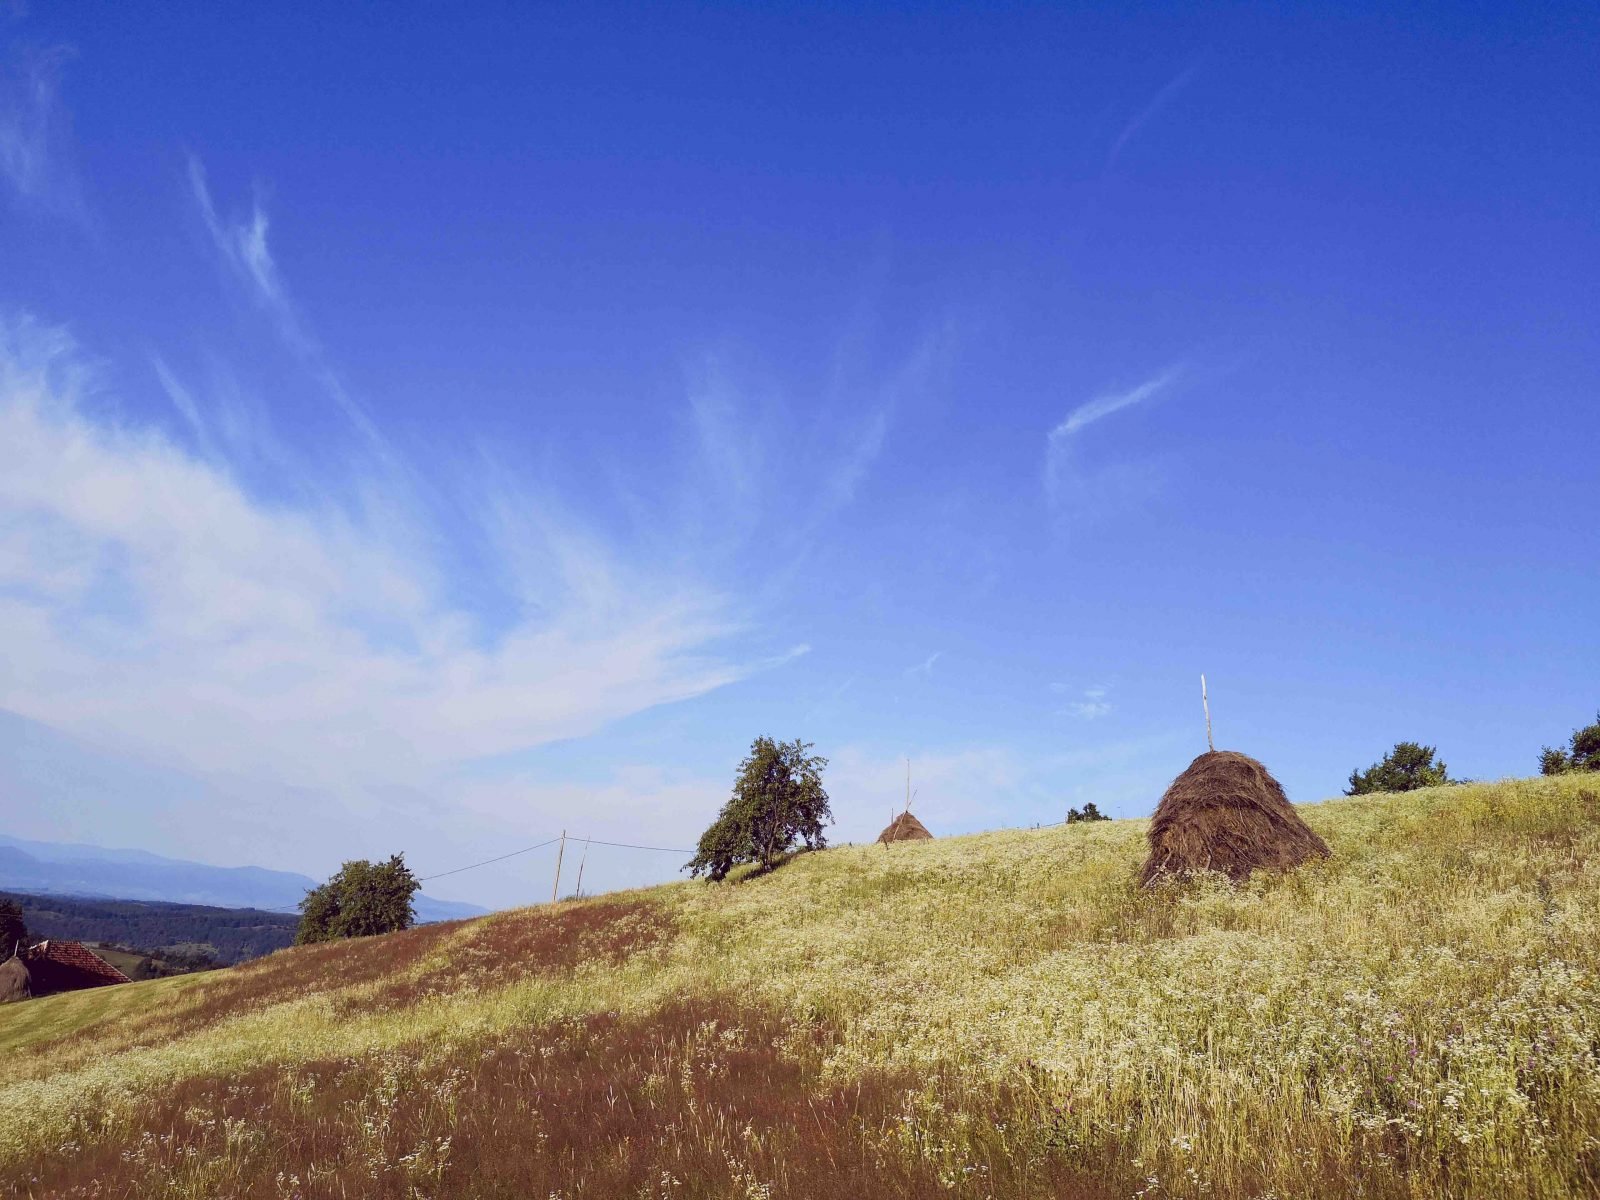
[15, 983]
[905, 828]
[1227, 813]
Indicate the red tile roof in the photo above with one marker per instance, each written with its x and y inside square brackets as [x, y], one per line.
[76, 956]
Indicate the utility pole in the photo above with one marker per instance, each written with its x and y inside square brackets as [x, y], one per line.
[579, 890]
[562, 849]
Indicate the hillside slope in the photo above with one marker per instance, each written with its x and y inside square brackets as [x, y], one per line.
[997, 1015]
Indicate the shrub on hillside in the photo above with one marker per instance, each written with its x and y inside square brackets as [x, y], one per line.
[778, 799]
[1582, 753]
[158, 964]
[1089, 813]
[1404, 769]
[363, 898]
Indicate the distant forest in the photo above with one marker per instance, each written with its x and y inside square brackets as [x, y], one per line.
[230, 935]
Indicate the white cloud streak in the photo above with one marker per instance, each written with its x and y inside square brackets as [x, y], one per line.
[1062, 485]
[35, 130]
[1094, 704]
[241, 244]
[1103, 406]
[1159, 101]
[183, 401]
[152, 605]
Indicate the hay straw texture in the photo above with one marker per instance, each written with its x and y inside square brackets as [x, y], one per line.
[14, 981]
[1227, 813]
[905, 828]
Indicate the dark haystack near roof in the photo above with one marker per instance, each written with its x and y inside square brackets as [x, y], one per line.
[905, 828]
[15, 983]
[1227, 813]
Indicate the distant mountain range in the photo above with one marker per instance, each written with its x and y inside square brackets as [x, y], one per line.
[70, 869]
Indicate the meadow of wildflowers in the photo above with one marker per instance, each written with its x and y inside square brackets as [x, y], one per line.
[998, 1015]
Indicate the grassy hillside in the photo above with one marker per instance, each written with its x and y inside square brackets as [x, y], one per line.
[998, 1015]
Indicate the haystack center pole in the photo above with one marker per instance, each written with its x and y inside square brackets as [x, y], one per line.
[562, 849]
[1207, 703]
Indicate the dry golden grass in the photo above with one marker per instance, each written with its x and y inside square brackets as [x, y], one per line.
[1417, 1017]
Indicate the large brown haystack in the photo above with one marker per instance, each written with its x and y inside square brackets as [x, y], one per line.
[1227, 813]
[905, 828]
[15, 983]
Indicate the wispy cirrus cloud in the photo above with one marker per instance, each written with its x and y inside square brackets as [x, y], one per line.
[924, 669]
[1156, 103]
[825, 704]
[1103, 406]
[1070, 487]
[861, 442]
[760, 453]
[241, 246]
[242, 243]
[35, 131]
[184, 402]
[150, 603]
[1092, 704]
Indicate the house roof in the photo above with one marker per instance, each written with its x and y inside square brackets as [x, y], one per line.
[77, 956]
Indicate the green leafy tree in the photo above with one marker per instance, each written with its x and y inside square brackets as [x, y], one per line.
[1404, 769]
[362, 899]
[1583, 753]
[1089, 813]
[13, 929]
[778, 799]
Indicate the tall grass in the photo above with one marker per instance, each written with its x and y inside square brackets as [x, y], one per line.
[1418, 1016]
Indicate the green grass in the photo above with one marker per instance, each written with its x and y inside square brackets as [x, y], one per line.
[54, 1017]
[1418, 1016]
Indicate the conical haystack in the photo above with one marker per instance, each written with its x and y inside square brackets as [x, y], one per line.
[15, 983]
[1227, 813]
[905, 828]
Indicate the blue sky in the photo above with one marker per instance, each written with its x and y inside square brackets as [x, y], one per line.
[427, 430]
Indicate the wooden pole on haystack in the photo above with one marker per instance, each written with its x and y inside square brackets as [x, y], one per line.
[1207, 703]
[562, 849]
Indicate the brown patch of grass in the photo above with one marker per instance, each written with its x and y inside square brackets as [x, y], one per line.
[548, 942]
[306, 970]
[485, 953]
[702, 1099]
[284, 975]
